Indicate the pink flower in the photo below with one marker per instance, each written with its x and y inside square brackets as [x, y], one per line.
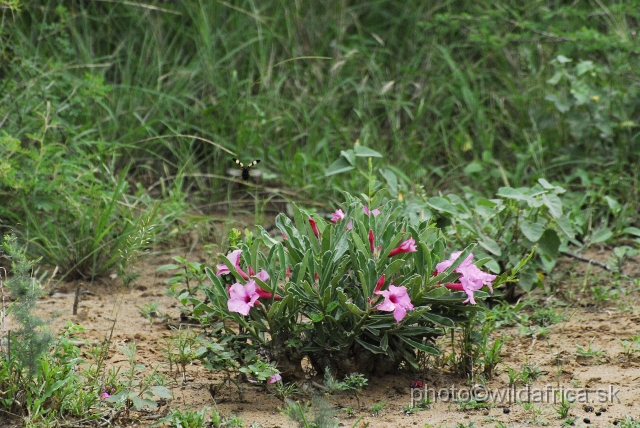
[104, 394]
[337, 215]
[371, 241]
[396, 300]
[417, 384]
[314, 227]
[242, 298]
[471, 277]
[408, 246]
[263, 276]
[375, 212]
[442, 266]
[234, 257]
[349, 225]
[274, 378]
[379, 284]
[287, 271]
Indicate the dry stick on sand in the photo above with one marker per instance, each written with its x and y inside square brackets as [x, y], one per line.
[590, 261]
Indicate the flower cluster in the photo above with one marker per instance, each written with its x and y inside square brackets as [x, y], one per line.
[396, 299]
[471, 277]
[243, 297]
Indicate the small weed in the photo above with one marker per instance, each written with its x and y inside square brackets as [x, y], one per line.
[472, 404]
[317, 414]
[596, 355]
[350, 411]
[565, 405]
[530, 373]
[546, 316]
[149, 311]
[377, 408]
[185, 418]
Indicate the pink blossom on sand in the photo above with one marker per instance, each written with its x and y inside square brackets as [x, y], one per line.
[375, 212]
[396, 300]
[408, 246]
[337, 215]
[471, 277]
[274, 378]
[242, 298]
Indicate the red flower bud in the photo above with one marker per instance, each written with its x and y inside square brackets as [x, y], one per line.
[379, 284]
[371, 240]
[314, 227]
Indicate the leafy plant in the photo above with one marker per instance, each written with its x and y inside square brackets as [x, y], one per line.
[377, 408]
[136, 393]
[30, 341]
[336, 283]
[510, 226]
[316, 414]
[564, 407]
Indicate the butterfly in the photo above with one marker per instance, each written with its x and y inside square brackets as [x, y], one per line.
[245, 169]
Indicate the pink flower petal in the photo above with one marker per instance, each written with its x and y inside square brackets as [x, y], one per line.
[337, 215]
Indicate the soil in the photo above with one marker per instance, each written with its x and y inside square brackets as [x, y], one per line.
[569, 290]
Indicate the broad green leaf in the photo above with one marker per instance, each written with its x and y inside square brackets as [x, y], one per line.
[391, 179]
[490, 245]
[366, 152]
[602, 235]
[532, 231]
[553, 202]
[441, 204]
[528, 278]
[614, 205]
[511, 193]
[340, 165]
[549, 243]
[565, 224]
[632, 231]
[162, 392]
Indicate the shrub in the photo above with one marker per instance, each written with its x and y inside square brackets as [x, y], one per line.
[361, 295]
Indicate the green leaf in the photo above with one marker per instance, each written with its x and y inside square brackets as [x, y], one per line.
[362, 151]
[425, 348]
[614, 205]
[437, 319]
[532, 231]
[549, 243]
[391, 179]
[561, 105]
[553, 202]
[162, 392]
[565, 224]
[511, 193]
[340, 165]
[442, 204]
[631, 231]
[601, 235]
[528, 278]
[370, 347]
[490, 245]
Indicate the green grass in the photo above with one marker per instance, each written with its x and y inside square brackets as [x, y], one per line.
[451, 94]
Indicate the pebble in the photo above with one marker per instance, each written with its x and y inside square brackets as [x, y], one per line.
[506, 410]
[586, 420]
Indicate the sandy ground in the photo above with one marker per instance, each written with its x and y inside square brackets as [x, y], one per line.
[611, 385]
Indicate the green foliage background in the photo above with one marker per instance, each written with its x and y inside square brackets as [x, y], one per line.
[482, 94]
